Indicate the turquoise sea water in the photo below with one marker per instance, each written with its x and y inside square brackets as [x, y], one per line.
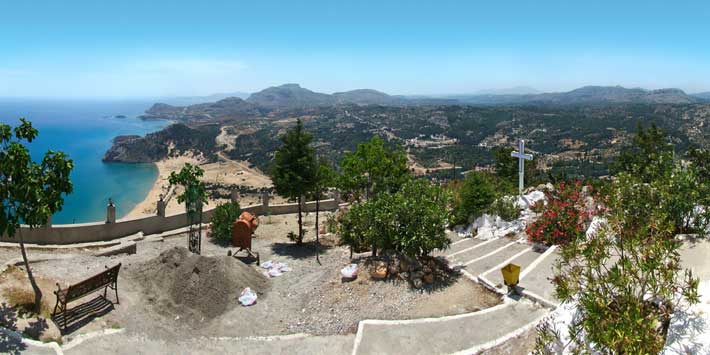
[84, 131]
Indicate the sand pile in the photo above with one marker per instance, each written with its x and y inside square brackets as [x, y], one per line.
[183, 283]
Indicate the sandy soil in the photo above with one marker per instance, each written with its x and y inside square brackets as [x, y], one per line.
[227, 172]
[310, 299]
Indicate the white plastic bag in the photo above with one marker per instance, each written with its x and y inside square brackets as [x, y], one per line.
[248, 297]
[274, 272]
[350, 271]
[267, 264]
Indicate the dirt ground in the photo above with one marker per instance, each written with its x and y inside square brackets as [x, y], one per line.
[309, 299]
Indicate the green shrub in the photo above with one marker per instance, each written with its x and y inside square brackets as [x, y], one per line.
[627, 279]
[506, 208]
[411, 221]
[473, 197]
[563, 218]
[222, 219]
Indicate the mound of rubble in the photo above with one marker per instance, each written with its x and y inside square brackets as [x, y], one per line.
[182, 283]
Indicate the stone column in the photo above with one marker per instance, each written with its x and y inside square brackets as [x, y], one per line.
[265, 201]
[235, 196]
[110, 212]
[161, 206]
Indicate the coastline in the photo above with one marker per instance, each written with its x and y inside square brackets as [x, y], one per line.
[227, 172]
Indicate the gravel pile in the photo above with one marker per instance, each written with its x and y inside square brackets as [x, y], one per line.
[180, 282]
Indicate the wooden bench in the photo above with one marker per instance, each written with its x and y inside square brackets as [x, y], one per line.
[107, 279]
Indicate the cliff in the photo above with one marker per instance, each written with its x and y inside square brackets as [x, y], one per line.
[174, 140]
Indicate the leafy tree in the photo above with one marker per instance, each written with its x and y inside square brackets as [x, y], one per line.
[626, 279]
[506, 167]
[194, 196]
[411, 221]
[373, 168]
[475, 195]
[649, 157]
[30, 192]
[222, 220]
[294, 172]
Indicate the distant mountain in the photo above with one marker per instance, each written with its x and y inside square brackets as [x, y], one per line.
[517, 90]
[589, 95]
[194, 100]
[293, 97]
[289, 96]
[368, 97]
[229, 108]
[705, 96]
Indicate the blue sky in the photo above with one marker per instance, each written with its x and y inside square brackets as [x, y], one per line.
[146, 48]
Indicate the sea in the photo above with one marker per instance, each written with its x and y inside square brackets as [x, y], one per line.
[84, 131]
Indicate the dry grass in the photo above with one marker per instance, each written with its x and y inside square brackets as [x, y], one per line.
[16, 291]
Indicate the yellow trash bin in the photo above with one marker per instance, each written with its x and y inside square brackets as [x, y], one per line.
[511, 273]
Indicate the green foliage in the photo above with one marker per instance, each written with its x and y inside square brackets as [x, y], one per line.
[650, 156]
[222, 220]
[194, 194]
[411, 221]
[373, 169]
[30, 192]
[295, 171]
[627, 279]
[325, 177]
[506, 208]
[506, 168]
[475, 195]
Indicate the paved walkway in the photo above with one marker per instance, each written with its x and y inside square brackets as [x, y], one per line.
[446, 335]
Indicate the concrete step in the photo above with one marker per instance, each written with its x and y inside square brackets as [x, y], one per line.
[461, 245]
[485, 263]
[478, 250]
[495, 276]
[537, 281]
[465, 333]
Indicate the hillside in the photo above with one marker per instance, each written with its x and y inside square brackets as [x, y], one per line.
[229, 108]
[174, 140]
[589, 95]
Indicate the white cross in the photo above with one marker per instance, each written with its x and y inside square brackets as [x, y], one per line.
[522, 157]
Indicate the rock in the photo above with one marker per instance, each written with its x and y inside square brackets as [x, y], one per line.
[403, 266]
[379, 272]
[416, 275]
[415, 265]
[417, 283]
[428, 279]
[393, 268]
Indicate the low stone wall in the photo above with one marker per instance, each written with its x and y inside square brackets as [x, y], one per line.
[101, 231]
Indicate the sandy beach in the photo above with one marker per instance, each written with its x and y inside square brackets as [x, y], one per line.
[225, 172]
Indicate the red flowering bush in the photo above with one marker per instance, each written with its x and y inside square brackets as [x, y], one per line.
[563, 218]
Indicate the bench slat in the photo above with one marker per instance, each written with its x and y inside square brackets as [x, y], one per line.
[92, 284]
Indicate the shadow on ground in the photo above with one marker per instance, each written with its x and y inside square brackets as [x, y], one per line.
[303, 251]
[83, 314]
[8, 320]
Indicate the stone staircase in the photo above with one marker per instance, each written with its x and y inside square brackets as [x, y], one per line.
[481, 261]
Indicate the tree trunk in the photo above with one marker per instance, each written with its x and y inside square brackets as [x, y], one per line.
[317, 229]
[299, 240]
[37, 291]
